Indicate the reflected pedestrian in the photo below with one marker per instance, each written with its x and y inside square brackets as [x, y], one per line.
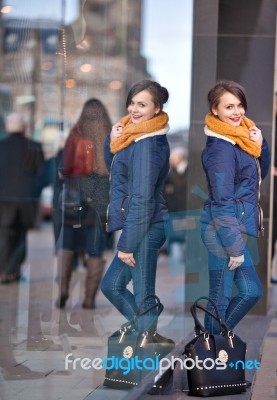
[176, 198]
[21, 159]
[82, 226]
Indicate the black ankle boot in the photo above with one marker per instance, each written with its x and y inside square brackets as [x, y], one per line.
[60, 303]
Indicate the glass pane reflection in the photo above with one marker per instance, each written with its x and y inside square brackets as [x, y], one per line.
[55, 55]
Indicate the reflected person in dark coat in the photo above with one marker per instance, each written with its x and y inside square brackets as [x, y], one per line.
[175, 191]
[176, 181]
[20, 162]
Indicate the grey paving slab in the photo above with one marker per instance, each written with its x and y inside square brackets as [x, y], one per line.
[35, 335]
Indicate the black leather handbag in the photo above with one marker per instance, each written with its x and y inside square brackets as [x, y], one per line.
[133, 354]
[214, 362]
[70, 202]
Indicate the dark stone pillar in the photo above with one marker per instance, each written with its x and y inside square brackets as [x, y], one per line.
[232, 40]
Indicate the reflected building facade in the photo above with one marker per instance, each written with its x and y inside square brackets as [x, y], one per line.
[50, 69]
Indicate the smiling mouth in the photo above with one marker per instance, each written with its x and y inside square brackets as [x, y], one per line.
[236, 119]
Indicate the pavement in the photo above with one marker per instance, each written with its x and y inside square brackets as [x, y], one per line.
[36, 338]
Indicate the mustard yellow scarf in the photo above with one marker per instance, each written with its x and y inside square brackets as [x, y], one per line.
[132, 131]
[239, 134]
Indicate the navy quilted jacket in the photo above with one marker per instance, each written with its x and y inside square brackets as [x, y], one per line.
[137, 175]
[233, 184]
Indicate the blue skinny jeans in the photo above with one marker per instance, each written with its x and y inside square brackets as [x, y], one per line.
[222, 282]
[143, 276]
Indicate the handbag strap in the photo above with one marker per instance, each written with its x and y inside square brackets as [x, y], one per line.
[198, 326]
[140, 313]
[157, 305]
[224, 327]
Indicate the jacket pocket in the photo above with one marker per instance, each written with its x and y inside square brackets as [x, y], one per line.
[247, 216]
[117, 212]
[241, 214]
[124, 208]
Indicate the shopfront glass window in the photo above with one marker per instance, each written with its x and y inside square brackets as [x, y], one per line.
[55, 55]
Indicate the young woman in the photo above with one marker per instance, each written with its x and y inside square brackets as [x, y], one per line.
[137, 154]
[84, 233]
[235, 159]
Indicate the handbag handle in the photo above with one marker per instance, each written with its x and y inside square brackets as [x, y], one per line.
[224, 327]
[157, 305]
[198, 326]
[132, 324]
[196, 305]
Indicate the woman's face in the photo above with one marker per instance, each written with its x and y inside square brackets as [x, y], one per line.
[142, 107]
[229, 109]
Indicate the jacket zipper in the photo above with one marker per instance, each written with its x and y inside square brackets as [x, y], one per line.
[261, 215]
[110, 180]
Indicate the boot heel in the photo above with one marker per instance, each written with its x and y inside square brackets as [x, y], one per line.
[60, 303]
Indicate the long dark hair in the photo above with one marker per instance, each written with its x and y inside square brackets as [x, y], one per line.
[94, 120]
[95, 124]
